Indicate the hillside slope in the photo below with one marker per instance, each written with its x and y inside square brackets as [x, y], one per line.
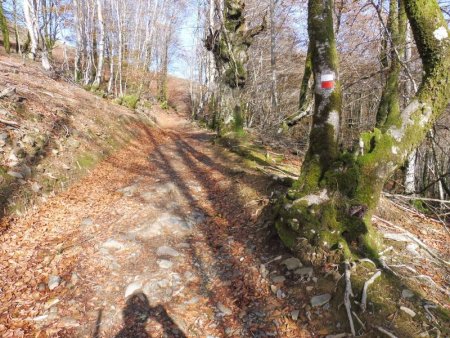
[52, 132]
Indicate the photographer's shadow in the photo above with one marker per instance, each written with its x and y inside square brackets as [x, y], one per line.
[136, 314]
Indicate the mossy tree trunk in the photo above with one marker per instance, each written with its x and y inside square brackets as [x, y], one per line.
[326, 215]
[4, 29]
[306, 93]
[396, 33]
[229, 46]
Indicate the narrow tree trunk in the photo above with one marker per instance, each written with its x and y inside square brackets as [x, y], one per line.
[16, 30]
[327, 214]
[306, 101]
[31, 23]
[274, 97]
[4, 28]
[101, 45]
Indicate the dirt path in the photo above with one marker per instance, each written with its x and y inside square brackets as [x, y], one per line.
[164, 239]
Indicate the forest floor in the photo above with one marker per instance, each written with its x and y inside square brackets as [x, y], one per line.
[171, 236]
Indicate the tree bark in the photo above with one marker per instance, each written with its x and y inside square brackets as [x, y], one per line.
[101, 45]
[29, 11]
[4, 29]
[326, 215]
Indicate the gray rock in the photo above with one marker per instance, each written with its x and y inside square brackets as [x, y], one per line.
[292, 263]
[15, 174]
[12, 157]
[4, 137]
[165, 264]
[132, 288]
[26, 171]
[306, 271]
[113, 244]
[69, 322]
[73, 143]
[222, 308]
[74, 278]
[320, 300]
[53, 282]
[36, 187]
[407, 293]
[29, 140]
[167, 251]
[294, 314]
[87, 222]
[129, 191]
[278, 279]
[408, 311]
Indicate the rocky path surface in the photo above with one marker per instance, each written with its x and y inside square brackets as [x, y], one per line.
[167, 238]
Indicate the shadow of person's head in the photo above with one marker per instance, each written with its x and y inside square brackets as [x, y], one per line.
[137, 310]
[135, 315]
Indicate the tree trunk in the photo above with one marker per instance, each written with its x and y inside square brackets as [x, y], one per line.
[29, 11]
[230, 46]
[101, 45]
[327, 214]
[274, 96]
[4, 29]
[306, 101]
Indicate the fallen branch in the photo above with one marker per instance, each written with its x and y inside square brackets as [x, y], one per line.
[366, 286]
[10, 123]
[347, 294]
[359, 320]
[417, 198]
[415, 239]
[386, 332]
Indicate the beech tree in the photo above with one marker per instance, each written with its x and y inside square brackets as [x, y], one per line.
[229, 45]
[326, 215]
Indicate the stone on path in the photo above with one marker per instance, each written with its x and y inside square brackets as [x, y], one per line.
[113, 244]
[164, 264]
[292, 263]
[132, 288]
[320, 300]
[53, 282]
[222, 308]
[307, 271]
[278, 279]
[294, 314]
[407, 293]
[167, 251]
[408, 311]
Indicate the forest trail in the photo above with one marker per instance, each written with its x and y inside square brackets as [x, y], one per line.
[170, 218]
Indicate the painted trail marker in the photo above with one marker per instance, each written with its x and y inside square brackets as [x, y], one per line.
[327, 81]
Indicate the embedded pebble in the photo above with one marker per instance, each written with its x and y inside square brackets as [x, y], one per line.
[112, 244]
[320, 300]
[292, 263]
[132, 288]
[307, 271]
[53, 282]
[167, 251]
[294, 314]
[408, 311]
[222, 308]
[407, 293]
[278, 279]
[164, 264]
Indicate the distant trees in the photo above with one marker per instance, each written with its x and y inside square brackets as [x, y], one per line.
[132, 37]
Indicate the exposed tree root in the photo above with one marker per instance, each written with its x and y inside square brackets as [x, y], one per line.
[347, 294]
[366, 286]
[386, 332]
